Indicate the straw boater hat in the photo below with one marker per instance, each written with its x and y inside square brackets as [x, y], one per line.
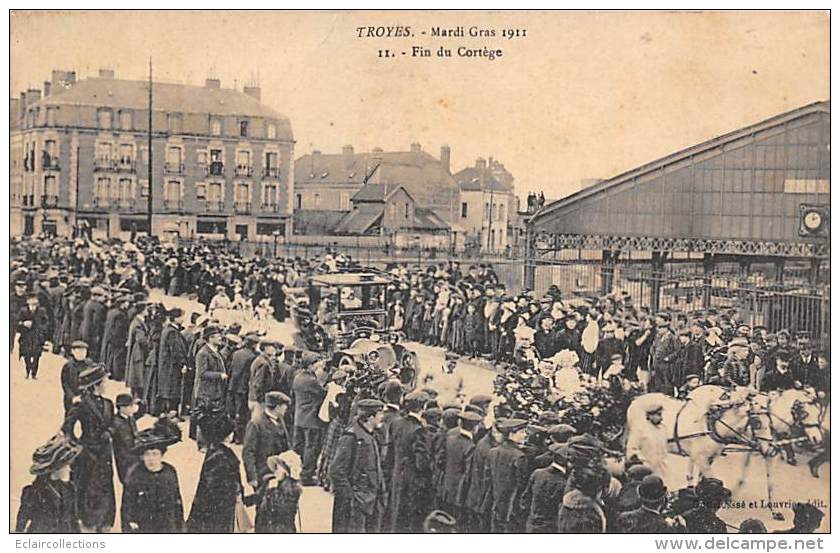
[56, 453]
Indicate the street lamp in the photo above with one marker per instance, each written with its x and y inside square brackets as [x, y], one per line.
[275, 234]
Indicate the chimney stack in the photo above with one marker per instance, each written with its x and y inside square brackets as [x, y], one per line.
[106, 73]
[415, 147]
[32, 96]
[347, 152]
[252, 91]
[62, 79]
[212, 83]
[47, 88]
[22, 105]
[445, 154]
[481, 164]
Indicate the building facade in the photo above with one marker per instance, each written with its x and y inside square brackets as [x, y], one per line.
[328, 182]
[486, 204]
[222, 163]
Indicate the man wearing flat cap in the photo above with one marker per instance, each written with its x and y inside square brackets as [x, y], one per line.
[309, 428]
[356, 474]
[509, 473]
[541, 498]
[663, 353]
[265, 435]
[411, 478]
[453, 459]
[93, 321]
[238, 385]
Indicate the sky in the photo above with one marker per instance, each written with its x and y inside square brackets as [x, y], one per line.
[582, 95]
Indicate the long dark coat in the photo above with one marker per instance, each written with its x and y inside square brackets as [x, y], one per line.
[93, 326]
[31, 341]
[542, 498]
[509, 474]
[477, 485]
[77, 317]
[152, 500]
[263, 438]
[219, 485]
[93, 472]
[123, 434]
[16, 303]
[172, 357]
[454, 458]
[210, 386]
[411, 483]
[308, 396]
[48, 507]
[114, 340]
[138, 349]
[276, 512]
[357, 478]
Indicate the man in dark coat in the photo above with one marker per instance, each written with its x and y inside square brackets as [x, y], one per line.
[210, 373]
[509, 474]
[70, 372]
[32, 323]
[17, 301]
[263, 375]
[477, 484]
[309, 429]
[240, 374]
[648, 518]
[454, 458]
[115, 337]
[93, 322]
[411, 481]
[542, 497]
[171, 362]
[663, 352]
[266, 435]
[136, 351]
[703, 519]
[356, 474]
[804, 365]
[545, 339]
[123, 432]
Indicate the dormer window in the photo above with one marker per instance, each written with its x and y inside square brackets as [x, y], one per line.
[243, 128]
[271, 131]
[215, 127]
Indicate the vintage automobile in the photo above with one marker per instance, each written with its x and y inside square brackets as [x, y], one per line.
[351, 301]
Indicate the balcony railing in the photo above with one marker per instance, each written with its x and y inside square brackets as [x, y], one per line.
[271, 172]
[244, 170]
[50, 163]
[270, 208]
[100, 202]
[49, 200]
[173, 168]
[173, 204]
[28, 200]
[125, 203]
[104, 164]
[214, 206]
[127, 165]
[216, 168]
[242, 207]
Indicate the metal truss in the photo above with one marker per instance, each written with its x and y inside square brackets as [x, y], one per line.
[546, 242]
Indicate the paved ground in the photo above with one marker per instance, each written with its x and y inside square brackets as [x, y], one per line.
[36, 411]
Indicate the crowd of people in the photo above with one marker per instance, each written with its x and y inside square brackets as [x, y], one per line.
[395, 459]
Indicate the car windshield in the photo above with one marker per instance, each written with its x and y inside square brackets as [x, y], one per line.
[361, 297]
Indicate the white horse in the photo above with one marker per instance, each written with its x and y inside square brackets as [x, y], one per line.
[793, 416]
[710, 420]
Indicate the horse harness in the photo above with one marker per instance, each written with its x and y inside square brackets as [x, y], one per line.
[713, 419]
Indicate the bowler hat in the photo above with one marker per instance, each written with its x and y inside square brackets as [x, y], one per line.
[652, 489]
[124, 400]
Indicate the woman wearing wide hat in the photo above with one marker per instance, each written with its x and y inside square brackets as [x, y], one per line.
[48, 505]
[151, 501]
[220, 483]
[93, 472]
